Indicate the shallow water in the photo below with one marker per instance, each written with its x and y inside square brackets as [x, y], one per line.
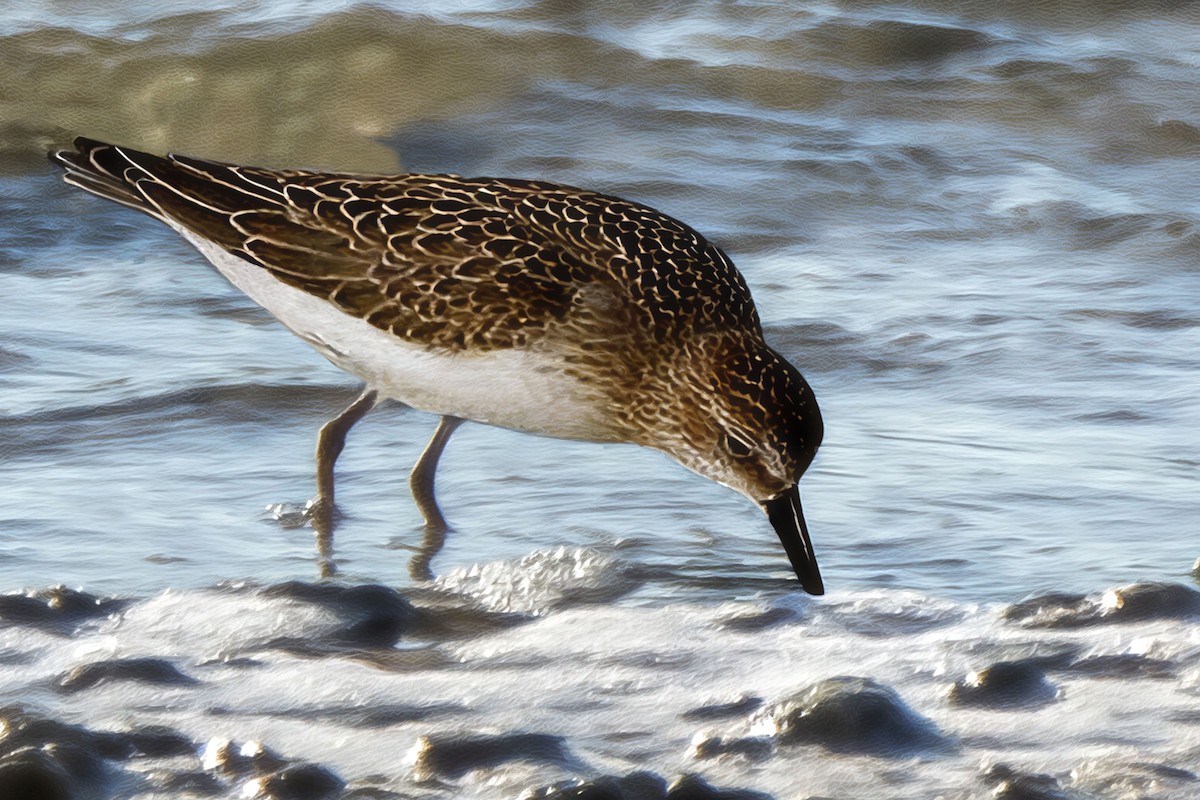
[973, 227]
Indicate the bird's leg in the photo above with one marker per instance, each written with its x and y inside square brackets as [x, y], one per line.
[421, 481]
[422, 477]
[330, 442]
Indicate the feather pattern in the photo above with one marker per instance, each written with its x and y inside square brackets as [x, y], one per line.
[438, 260]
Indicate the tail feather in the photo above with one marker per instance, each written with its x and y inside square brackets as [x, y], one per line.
[245, 210]
[201, 196]
[134, 178]
[98, 168]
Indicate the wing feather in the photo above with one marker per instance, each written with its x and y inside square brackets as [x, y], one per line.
[438, 260]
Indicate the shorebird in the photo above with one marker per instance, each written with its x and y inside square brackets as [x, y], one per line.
[523, 304]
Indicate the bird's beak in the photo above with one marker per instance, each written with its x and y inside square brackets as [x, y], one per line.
[788, 520]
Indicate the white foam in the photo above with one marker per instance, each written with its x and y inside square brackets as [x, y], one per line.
[541, 580]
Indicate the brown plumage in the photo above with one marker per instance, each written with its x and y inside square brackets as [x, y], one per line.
[644, 325]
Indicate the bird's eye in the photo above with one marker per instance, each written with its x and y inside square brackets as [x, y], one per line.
[736, 445]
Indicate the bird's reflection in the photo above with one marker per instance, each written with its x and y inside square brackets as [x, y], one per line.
[419, 566]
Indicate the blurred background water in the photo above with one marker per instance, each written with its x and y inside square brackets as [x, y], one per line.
[973, 226]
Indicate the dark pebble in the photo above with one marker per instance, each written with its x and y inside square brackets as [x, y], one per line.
[34, 773]
[754, 748]
[1153, 600]
[452, 756]
[1009, 784]
[190, 783]
[735, 708]
[855, 715]
[57, 609]
[373, 793]
[1135, 602]
[158, 741]
[693, 787]
[157, 671]
[634, 786]
[1055, 610]
[54, 759]
[251, 759]
[19, 729]
[1004, 685]
[77, 750]
[641, 786]
[372, 615]
[150, 741]
[302, 782]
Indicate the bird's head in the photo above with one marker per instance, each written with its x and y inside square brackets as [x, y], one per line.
[746, 418]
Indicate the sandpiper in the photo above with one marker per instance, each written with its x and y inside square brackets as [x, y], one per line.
[523, 304]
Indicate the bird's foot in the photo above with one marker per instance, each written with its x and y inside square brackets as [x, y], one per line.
[317, 513]
[320, 512]
[288, 515]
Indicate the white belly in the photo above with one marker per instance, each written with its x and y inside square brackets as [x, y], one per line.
[521, 389]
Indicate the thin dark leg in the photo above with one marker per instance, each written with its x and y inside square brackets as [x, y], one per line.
[332, 439]
[421, 481]
[330, 443]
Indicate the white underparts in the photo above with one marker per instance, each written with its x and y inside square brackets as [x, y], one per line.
[521, 389]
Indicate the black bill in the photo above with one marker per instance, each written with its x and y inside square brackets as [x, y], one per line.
[788, 520]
